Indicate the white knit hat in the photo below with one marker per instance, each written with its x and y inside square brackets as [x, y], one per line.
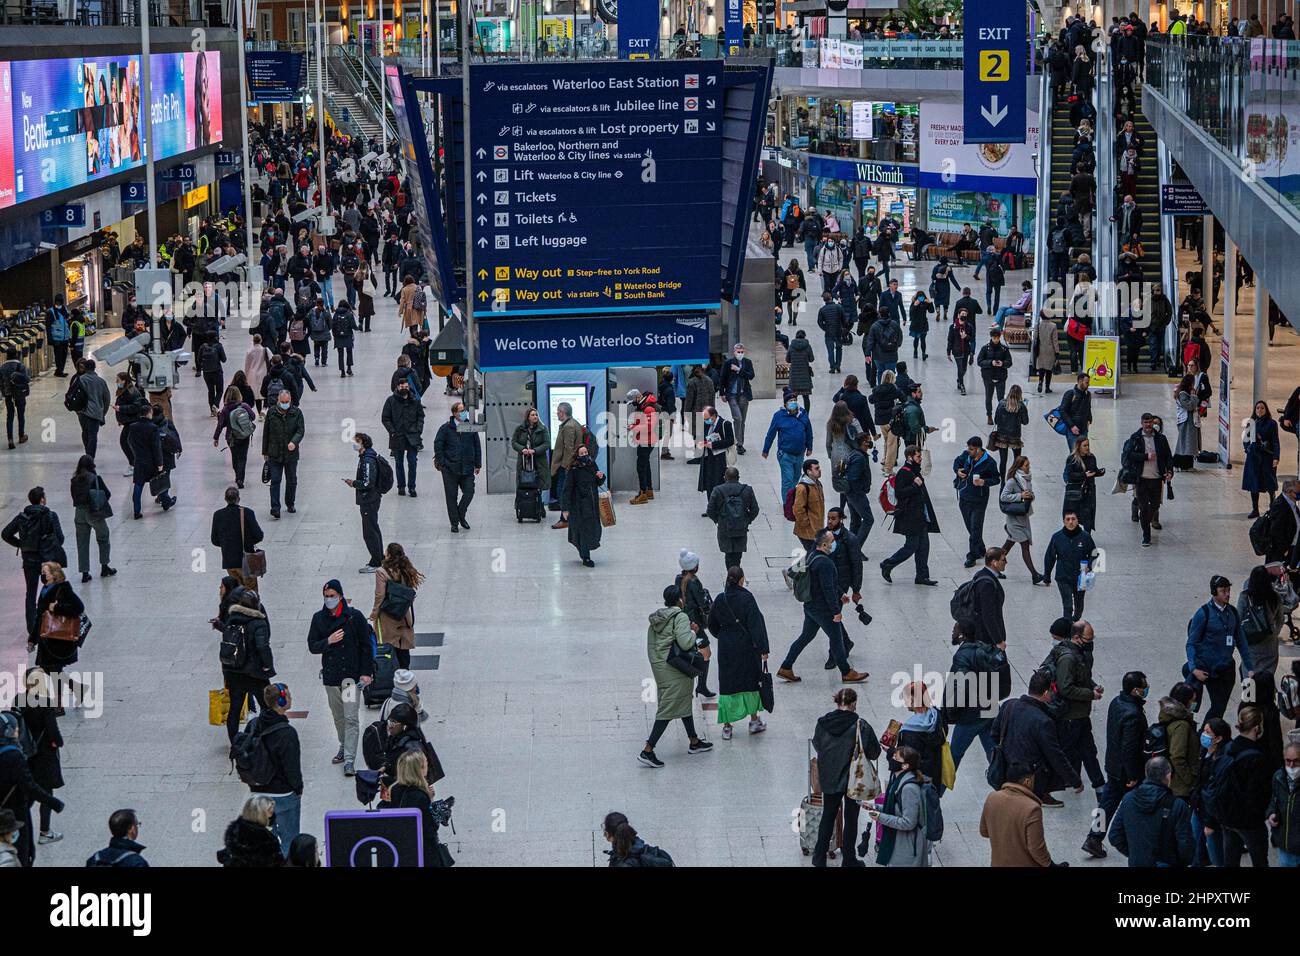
[688, 560]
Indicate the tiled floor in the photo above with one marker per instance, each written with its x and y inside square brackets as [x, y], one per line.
[538, 703]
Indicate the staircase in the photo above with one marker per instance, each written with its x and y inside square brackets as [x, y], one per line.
[1148, 200]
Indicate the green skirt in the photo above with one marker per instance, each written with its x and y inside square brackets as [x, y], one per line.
[735, 707]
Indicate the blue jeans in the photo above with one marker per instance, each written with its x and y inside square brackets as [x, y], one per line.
[812, 622]
[287, 814]
[791, 467]
[963, 735]
[557, 486]
[861, 519]
[1156, 348]
[810, 249]
[327, 290]
[1003, 312]
[402, 467]
[972, 514]
[1071, 439]
[1112, 792]
[351, 287]
[985, 259]
[1209, 849]
[834, 350]
[136, 491]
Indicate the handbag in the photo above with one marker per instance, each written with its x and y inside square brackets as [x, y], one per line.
[83, 629]
[947, 768]
[766, 690]
[1014, 508]
[218, 706]
[98, 498]
[254, 564]
[56, 627]
[266, 472]
[1169, 490]
[864, 779]
[159, 484]
[691, 663]
[606, 504]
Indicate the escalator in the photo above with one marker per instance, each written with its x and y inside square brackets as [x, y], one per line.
[1147, 198]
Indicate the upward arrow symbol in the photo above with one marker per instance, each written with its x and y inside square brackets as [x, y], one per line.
[482, 273]
[480, 176]
[992, 113]
[481, 220]
[481, 152]
[481, 198]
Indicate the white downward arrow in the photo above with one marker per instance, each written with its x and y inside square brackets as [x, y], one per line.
[992, 113]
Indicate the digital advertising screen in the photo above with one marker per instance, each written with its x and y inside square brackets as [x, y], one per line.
[65, 123]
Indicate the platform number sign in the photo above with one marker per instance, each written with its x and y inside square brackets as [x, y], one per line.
[66, 216]
[995, 44]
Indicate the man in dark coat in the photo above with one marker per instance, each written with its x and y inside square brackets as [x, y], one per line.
[458, 456]
[733, 508]
[1153, 827]
[847, 556]
[1284, 524]
[914, 519]
[281, 437]
[146, 453]
[403, 419]
[1147, 463]
[236, 537]
[18, 789]
[369, 496]
[718, 437]
[580, 505]
[1028, 737]
[1126, 726]
[340, 634]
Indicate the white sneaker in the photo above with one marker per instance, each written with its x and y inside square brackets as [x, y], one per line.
[756, 726]
[50, 837]
[726, 731]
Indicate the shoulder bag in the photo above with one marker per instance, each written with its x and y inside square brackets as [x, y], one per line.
[690, 662]
[864, 779]
[56, 627]
[97, 496]
[254, 565]
[766, 691]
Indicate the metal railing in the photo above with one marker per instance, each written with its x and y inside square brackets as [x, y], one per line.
[1245, 94]
[105, 13]
[1043, 220]
[1104, 240]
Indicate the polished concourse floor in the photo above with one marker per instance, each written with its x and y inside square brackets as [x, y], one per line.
[542, 696]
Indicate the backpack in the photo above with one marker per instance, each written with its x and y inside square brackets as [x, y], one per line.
[931, 813]
[889, 495]
[171, 441]
[800, 580]
[340, 325]
[297, 331]
[383, 474]
[1155, 742]
[398, 598]
[1288, 696]
[733, 521]
[789, 504]
[374, 740]
[413, 381]
[241, 423]
[898, 424]
[250, 755]
[75, 398]
[302, 295]
[111, 857]
[418, 301]
[17, 384]
[1223, 791]
[891, 337]
[994, 269]
[1260, 531]
[962, 608]
[1060, 241]
[317, 323]
[650, 856]
[274, 386]
[235, 646]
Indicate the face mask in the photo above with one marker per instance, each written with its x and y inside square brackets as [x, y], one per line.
[283, 406]
[1146, 692]
[332, 602]
[1293, 773]
[1207, 741]
[834, 545]
[793, 406]
[464, 415]
[356, 446]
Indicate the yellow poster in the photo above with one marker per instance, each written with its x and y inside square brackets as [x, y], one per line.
[1101, 362]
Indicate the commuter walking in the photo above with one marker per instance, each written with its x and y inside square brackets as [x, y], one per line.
[733, 508]
[369, 488]
[580, 504]
[279, 740]
[15, 386]
[340, 634]
[1213, 633]
[1152, 826]
[976, 474]
[736, 391]
[95, 405]
[237, 420]
[283, 433]
[90, 499]
[821, 611]
[670, 634]
[1069, 556]
[1016, 501]
[791, 428]
[403, 419]
[914, 518]
[393, 613]
[236, 533]
[458, 457]
[841, 737]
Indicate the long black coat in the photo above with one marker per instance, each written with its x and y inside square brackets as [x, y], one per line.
[1030, 741]
[146, 446]
[740, 633]
[913, 504]
[42, 723]
[227, 536]
[60, 599]
[715, 459]
[580, 501]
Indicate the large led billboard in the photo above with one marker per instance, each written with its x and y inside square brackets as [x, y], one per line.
[65, 123]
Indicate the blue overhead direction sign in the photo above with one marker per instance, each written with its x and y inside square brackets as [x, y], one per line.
[733, 26]
[596, 187]
[995, 45]
[593, 341]
[638, 29]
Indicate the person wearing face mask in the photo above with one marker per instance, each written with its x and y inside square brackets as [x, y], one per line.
[1284, 808]
[737, 374]
[1126, 727]
[791, 428]
[1212, 634]
[670, 625]
[822, 612]
[1240, 789]
[323, 266]
[1215, 735]
[580, 506]
[340, 634]
[836, 739]
[715, 446]
[458, 456]
[129, 404]
[366, 484]
[247, 662]
[903, 840]
[403, 419]
[1070, 549]
[281, 436]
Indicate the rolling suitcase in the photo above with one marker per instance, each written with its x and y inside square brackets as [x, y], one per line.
[381, 687]
[810, 815]
[528, 505]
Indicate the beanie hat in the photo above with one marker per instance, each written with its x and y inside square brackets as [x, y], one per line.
[1060, 628]
[688, 560]
[333, 584]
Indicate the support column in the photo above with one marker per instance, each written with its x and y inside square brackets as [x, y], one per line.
[1260, 382]
[1221, 425]
[1207, 262]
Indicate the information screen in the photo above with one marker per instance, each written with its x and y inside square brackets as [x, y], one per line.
[575, 395]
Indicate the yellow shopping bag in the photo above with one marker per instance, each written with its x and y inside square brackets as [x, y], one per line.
[947, 769]
[218, 706]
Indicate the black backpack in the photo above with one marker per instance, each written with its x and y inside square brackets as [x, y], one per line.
[898, 423]
[250, 755]
[340, 325]
[733, 521]
[1155, 742]
[383, 474]
[891, 337]
[398, 598]
[650, 856]
[235, 646]
[170, 438]
[25, 742]
[75, 399]
[962, 608]
[111, 857]
[374, 740]
[1260, 531]
[1061, 241]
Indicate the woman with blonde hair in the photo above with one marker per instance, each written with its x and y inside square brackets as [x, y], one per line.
[56, 604]
[393, 613]
[1017, 503]
[412, 790]
[249, 840]
[925, 731]
[1009, 418]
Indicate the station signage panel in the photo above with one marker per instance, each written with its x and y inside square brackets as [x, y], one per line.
[274, 76]
[596, 187]
[995, 48]
[593, 341]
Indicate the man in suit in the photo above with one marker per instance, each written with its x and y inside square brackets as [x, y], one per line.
[236, 538]
[735, 389]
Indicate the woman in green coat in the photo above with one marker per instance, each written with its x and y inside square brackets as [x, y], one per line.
[532, 442]
[669, 625]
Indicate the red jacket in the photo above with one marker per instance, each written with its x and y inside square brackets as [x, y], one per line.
[641, 423]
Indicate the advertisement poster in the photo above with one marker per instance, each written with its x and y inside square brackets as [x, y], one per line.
[1101, 362]
[948, 163]
[70, 122]
[949, 211]
[862, 120]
